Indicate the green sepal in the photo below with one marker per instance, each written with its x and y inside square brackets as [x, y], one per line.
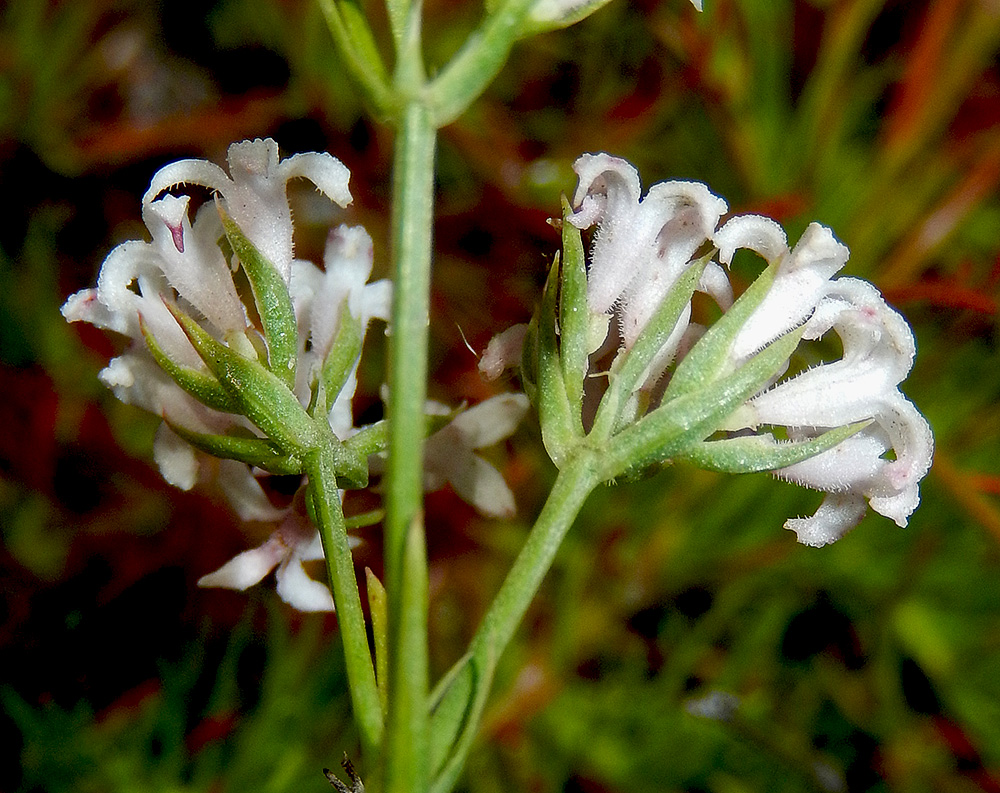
[274, 304]
[201, 385]
[246, 448]
[560, 428]
[529, 362]
[363, 519]
[260, 395]
[378, 607]
[754, 453]
[340, 360]
[574, 314]
[707, 359]
[679, 424]
[632, 365]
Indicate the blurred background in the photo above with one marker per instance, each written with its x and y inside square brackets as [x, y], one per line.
[873, 664]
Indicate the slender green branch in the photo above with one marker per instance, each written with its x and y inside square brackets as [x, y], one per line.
[457, 715]
[478, 62]
[329, 519]
[357, 48]
[405, 758]
[573, 485]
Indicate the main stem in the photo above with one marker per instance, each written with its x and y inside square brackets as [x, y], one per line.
[405, 766]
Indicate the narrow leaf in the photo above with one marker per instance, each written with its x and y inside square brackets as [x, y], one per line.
[340, 360]
[244, 448]
[754, 453]
[629, 369]
[675, 426]
[559, 427]
[261, 396]
[201, 385]
[482, 667]
[707, 359]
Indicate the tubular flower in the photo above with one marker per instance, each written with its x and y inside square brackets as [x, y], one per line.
[261, 376]
[183, 268]
[842, 427]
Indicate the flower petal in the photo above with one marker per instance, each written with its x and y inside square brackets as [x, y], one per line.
[329, 174]
[798, 286]
[176, 460]
[482, 486]
[247, 568]
[298, 590]
[490, 421]
[757, 233]
[837, 515]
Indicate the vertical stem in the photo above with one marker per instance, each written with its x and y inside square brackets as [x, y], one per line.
[405, 768]
[329, 517]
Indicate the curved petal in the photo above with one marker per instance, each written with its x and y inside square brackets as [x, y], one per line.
[199, 172]
[244, 493]
[608, 195]
[757, 233]
[492, 420]
[837, 515]
[798, 286]
[194, 265]
[177, 461]
[329, 174]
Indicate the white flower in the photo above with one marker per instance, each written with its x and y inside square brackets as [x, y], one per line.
[449, 455]
[641, 246]
[878, 354]
[802, 278]
[184, 265]
[255, 196]
[319, 298]
[293, 543]
[503, 352]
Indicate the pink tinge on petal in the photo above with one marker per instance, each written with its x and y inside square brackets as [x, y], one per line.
[503, 352]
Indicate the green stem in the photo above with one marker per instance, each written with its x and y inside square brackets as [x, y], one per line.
[357, 49]
[573, 485]
[405, 752]
[329, 519]
[456, 714]
[478, 62]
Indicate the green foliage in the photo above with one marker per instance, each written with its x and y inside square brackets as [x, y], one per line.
[274, 737]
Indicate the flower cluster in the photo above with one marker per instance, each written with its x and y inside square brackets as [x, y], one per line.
[841, 427]
[250, 355]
